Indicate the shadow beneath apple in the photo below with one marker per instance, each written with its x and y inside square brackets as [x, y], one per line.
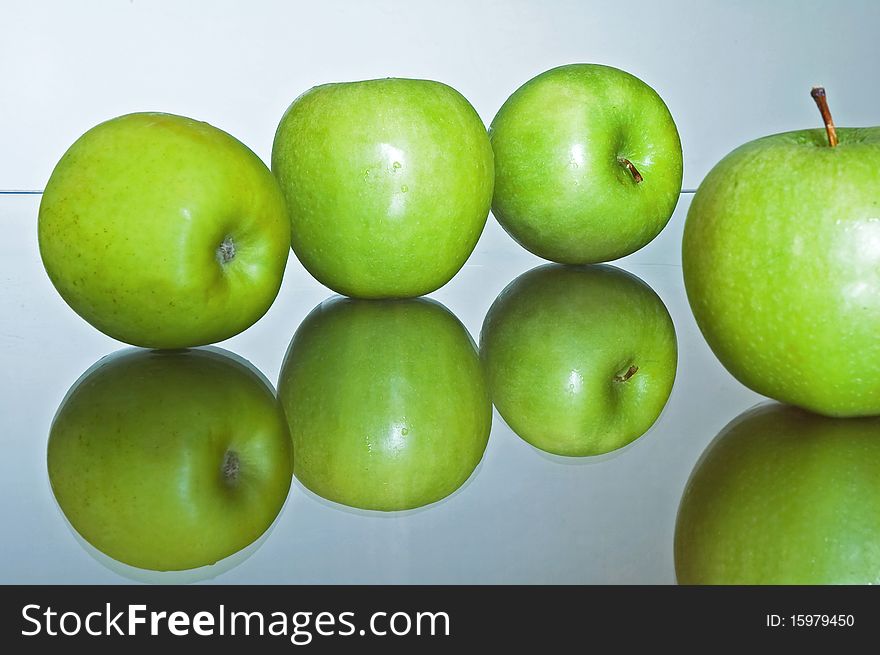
[387, 515]
[584, 461]
[182, 577]
[170, 460]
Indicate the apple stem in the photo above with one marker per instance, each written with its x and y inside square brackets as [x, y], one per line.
[632, 169]
[632, 370]
[231, 467]
[818, 93]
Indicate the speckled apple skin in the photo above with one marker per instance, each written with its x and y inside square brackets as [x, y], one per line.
[781, 258]
[561, 190]
[783, 496]
[556, 345]
[388, 184]
[387, 404]
[131, 222]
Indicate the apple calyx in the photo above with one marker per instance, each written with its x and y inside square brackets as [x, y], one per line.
[632, 169]
[632, 370]
[226, 250]
[230, 468]
[818, 93]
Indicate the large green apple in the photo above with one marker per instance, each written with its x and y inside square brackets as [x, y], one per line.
[588, 164]
[781, 258]
[164, 232]
[170, 460]
[783, 496]
[388, 184]
[387, 404]
[580, 360]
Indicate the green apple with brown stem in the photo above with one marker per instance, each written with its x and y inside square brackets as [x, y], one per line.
[588, 164]
[781, 258]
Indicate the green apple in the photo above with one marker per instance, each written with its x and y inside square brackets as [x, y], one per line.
[783, 496]
[781, 257]
[388, 184]
[164, 232]
[170, 460]
[588, 164]
[580, 360]
[386, 401]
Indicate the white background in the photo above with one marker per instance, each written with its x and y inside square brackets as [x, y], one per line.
[729, 71]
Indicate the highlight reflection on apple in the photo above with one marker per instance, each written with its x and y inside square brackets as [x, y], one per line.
[580, 360]
[783, 496]
[387, 404]
[170, 460]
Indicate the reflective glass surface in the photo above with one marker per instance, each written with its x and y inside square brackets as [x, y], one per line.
[522, 516]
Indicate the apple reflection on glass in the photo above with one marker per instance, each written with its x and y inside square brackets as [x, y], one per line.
[386, 401]
[783, 496]
[170, 460]
[580, 360]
